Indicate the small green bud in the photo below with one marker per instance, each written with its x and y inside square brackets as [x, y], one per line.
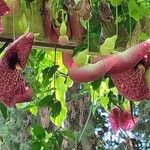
[63, 29]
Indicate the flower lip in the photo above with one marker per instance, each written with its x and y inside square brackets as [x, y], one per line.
[13, 61]
[18, 51]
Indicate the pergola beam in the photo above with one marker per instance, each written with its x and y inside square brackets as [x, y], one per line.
[46, 45]
[42, 44]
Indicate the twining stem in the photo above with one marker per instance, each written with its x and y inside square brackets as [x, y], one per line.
[54, 65]
[131, 109]
[87, 121]
[88, 35]
[55, 51]
[116, 18]
[14, 34]
[32, 15]
[130, 30]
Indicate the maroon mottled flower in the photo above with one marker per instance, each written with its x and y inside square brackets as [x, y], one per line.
[13, 88]
[121, 120]
[132, 84]
[4, 9]
[127, 70]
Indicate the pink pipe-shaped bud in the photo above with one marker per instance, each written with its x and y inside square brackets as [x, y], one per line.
[121, 120]
[88, 72]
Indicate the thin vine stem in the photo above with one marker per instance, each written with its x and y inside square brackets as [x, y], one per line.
[32, 15]
[146, 26]
[54, 65]
[55, 74]
[78, 26]
[87, 121]
[14, 34]
[116, 18]
[88, 35]
[130, 30]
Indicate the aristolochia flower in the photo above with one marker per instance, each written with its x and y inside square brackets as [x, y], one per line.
[127, 70]
[13, 88]
[4, 9]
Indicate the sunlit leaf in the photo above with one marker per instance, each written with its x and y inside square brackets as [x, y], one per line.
[81, 58]
[34, 110]
[60, 96]
[104, 102]
[23, 23]
[108, 46]
[69, 82]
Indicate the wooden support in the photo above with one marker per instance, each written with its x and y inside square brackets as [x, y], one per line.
[46, 45]
[42, 44]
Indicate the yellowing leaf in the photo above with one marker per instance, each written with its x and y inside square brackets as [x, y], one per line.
[23, 23]
[126, 104]
[63, 29]
[60, 96]
[69, 82]
[118, 19]
[104, 102]
[81, 58]
[83, 23]
[108, 46]
[34, 110]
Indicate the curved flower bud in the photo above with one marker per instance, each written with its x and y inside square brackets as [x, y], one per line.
[88, 72]
[121, 119]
